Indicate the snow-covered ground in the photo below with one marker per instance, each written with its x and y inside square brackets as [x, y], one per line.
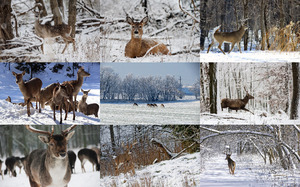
[242, 117]
[181, 112]
[15, 114]
[249, 56]
[182, 171]
[250, 171]
[88, 179]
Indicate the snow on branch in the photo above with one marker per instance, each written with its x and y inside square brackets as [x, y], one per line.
[193, 17]
[297, 128]
[291, 150]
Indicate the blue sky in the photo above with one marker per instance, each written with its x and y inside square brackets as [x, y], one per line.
[189, 72]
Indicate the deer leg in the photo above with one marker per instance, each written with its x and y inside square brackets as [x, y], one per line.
[60, 110]
[66, 108]
[67, 43]
[42, 47]
[239, 47]
[220, 44]
[212, 43]
[28, 107]
[231, 47]
[74, 103]
[247, 110]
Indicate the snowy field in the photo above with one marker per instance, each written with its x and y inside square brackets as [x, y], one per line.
[182, 171]
[79, 179]
[180, 112]
[15, 114]
[250, 171]
[249, 56]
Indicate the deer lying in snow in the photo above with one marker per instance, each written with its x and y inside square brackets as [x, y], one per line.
[236, 104]
[87, 109]
[8, 99]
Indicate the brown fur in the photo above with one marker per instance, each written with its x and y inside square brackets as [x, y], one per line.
[59, 99]
[231, 164]
[236, 104]
[90, 155]
[87, 109]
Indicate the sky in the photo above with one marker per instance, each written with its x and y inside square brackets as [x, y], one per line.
[189, 72]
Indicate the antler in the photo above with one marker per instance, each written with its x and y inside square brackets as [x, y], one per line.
[30, 128]
[66, 131]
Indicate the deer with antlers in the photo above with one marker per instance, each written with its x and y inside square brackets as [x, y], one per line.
[50, 167]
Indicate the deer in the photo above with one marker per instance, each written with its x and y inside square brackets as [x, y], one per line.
[69, 105]
[48, 31]
[11, 164]
[230, 37]
[231, 164]
[90, 155]
[50, 167]
[60, 96]
[123, 162]
[162, 105]
[31, 90]
[138, 47]
[87, 109]
[47, 93]
[72, 160]
[237, 104]
[8, 99]
[76, 86]
[135, 104]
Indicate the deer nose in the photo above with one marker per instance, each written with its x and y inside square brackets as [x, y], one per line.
[62, 154]
[136, 32]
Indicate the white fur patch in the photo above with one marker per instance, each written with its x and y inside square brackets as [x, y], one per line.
[57, 174]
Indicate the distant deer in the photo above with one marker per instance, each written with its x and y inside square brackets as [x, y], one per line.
[8, 99]
[87, 109]
[231, 164]
[31, 90]
[49, 31]
[50, 167]
[162, 105]
[76, 85]
[237, 104]
[60, 96]
[11, 164]
[72, 160]
[138, 47]
[123, 162]
[230, 37]
[90, 155]
[135, 104]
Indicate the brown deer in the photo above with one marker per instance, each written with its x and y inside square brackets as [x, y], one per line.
[123, 162]
[162, 105]
[231, 164]
[135, 104]
[47, 93]
[138, 47]
[11, 163]
[60, 96]
[50, 167]
[237, 104]
[98, 152]
[49, 31]
[30, 89]
[76, 85]
[90, 155]
[87, 109]
[230, 37]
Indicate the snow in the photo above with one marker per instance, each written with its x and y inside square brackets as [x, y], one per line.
[184, 111]
[15, 114]
[183, 171]
[249, 56]
[250, 171]
[78, 179]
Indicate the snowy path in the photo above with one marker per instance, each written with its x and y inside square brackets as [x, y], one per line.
[249, 171]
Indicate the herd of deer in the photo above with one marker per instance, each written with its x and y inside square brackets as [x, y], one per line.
[58, 96]
[150, 105]
[52, 166]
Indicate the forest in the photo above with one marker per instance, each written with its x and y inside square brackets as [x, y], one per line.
[271, 30]
[264, 155]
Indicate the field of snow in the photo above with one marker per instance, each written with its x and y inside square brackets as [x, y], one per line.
[241, 117]
[88, 179]
[182, 171]
[180, 112]
[249, 56]
[15, 114]
[250, 171]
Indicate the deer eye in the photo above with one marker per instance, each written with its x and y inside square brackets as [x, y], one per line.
[51, 144]
[140, 26]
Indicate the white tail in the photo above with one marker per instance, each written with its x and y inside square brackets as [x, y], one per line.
[87, 109]
[230, 37]
[138, 47]
[30, 90]
[90, 155]
[50, 167]
[123, 162]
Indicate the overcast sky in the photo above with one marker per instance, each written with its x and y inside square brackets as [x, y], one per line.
[189, 72]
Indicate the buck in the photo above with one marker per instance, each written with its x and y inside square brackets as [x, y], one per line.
[229, 37]
[72, 160]
[123, 162]
[30, 90]
[48, 31]
[90, 155]
[231, 164]
[87, 109]
[76, 85]
[60, 96]
[237, 104]
[138, 47]
[50, 167]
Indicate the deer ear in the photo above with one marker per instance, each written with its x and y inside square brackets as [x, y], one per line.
[144, 20]
[129, 20]
[14, 73]
[23, 73]
[69, 135]
[44, 139]
[81, 90]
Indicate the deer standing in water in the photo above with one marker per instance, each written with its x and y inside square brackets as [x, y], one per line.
[229, 37]
[138, 47]
[50, 167]
[31, 90]
[231, 164]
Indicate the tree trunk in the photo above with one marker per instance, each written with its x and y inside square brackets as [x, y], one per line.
[57, 17]
[112, 138]
[281, 13]
[263, 38]
[6, 32]
[72, 16]
[246, 35]
[295, 97]
[203, 29]
[213, 87]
